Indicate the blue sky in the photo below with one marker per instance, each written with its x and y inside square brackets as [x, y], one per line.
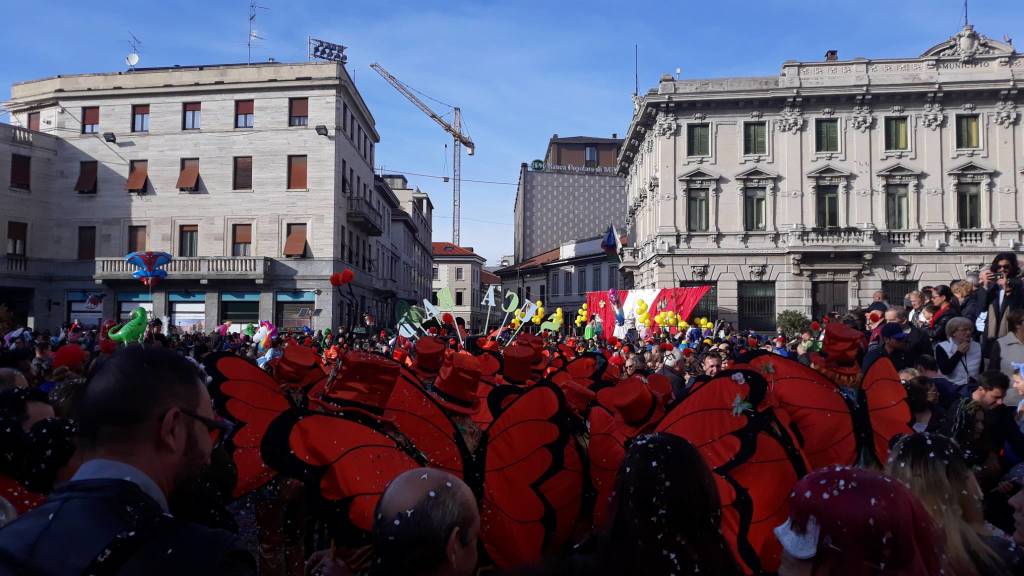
[520, 70]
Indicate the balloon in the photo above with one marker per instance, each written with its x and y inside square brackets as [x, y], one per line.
[149, 263]
[613, 296]
[132, 330]
[223, 328]
[343, 277]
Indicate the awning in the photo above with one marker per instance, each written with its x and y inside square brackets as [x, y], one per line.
[138, 176]
[86, 177]
[295, 245]
[189, 176]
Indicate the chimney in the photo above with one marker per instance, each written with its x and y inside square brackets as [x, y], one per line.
[554, 137]
[831, 55]
[615, 135]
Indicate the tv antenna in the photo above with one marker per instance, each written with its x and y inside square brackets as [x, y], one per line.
[133, 57]
[252, 31]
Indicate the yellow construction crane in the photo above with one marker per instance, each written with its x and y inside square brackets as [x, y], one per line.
[455, 129]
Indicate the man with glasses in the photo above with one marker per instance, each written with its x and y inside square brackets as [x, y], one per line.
[146, 430]
[1001, 292]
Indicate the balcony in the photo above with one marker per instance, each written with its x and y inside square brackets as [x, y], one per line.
[899, 238]
[201, 268]
[12, 264]
[365, 217]
[970, 237]
[838, 239]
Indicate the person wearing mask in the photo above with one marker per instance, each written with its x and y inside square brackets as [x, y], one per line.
[934, 469]
[427, 523]
[916, 301]
[945, 309]
[1001, 292]
[856, 522]
[146, 425]
[1007, 352]
[959, 356]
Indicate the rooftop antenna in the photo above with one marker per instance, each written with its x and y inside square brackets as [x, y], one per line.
[636, 73]
[133, 57]
[965, 13]
[252, 32]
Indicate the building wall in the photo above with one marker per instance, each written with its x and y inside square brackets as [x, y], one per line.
[565, 154]
[794, 251]
[471, 311]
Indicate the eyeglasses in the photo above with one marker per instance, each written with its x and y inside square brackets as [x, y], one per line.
[219, 430]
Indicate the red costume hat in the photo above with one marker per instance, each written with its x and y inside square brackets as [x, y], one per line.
[70, 355]
[429, 355]
[456, 385]
[298, 365]
[518, 360]
[366, 380]
[839, 350]
[635, 405]
[577, 396]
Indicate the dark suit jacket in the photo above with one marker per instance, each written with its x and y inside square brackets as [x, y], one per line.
[82, 519]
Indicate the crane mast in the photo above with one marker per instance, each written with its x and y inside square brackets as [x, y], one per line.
[459, 140]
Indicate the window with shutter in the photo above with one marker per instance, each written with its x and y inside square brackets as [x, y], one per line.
[191, 116]
[896, 133]
[86, 242]
[697, 210]
[244, 115]
[753, 209]
[21, 171]
[33, 121]
[968, 205]
[87, 176]
[241, 240]
[967, 135]
[136, 238]
[140, 118]
[17, 234]
[188, 240]
[243, 173]
[896, 206]
[828, 206]
[138, 175]
[755, 139]
[298, 111]
[296, 172]
[826, 135]
[188, 178]
[698, 140]
[295, 243]
[91, 120]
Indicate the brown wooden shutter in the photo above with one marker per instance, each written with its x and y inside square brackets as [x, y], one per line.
[87, 177]
[296, 172]
[242, 234]
[243, 173]
[33, 121]
[21, 171]
[193, 106]
[91, 115]
[86, 242]
[243, 107]
[189, 176]
[299, 107]
[140, 109]
[295, 245]
[19, 231]
[136, 238]
[137, 177]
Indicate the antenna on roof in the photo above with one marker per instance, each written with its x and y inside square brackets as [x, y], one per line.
[252, 32]
[133, 57]
[636, 73]
[965, 13]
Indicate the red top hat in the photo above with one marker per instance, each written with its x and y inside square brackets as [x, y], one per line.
[367, 380]
[456, 385]
[297, 365]
[70, 355]
[429, 354]
[634, 404]
[840, 349]
[518, 361]
[577, 396]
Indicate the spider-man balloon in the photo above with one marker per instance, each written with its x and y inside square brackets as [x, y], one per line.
[149, 264]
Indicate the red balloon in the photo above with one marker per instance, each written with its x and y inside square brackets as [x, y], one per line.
[447, 318]
[343, 277]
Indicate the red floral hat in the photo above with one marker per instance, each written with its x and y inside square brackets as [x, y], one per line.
[456, 385]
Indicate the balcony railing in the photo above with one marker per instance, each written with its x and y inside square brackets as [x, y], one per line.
[837, 237]
[364, 216]
[899, 238]
[13, 264]
[970, 237]
[203, 267]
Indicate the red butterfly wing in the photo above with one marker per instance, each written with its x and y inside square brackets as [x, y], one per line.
[251, 399]
[887, 405]
[820, 416]
[755, 460]
[419, 418]
[533, 475]
[606, 450]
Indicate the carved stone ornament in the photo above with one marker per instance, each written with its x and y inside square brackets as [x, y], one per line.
[933, 116]
[863, 192]
[650, 145]
[652, 183]
[901, 270]
[757, 270]
[1006, 113]
[862, 118]
[827, 111]
[638, 102]
[1005, 190]
[969, 107]
[699, 271]
[699, 116]
[795, 262]
[756, 114]
[792, 119]
[972, 269]
[794, 193]
[666, 125]
[934, 192]
[966, 45]
[896, 109]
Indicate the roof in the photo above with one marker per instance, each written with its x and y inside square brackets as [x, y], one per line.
[449, 249]
[487, 279]
[538, 260]
[585, 140]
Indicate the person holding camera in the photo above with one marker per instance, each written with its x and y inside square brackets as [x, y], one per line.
[1001, 291]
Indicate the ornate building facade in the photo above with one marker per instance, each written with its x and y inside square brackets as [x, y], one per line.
[812, 189]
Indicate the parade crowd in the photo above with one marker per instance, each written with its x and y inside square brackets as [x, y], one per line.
[351, 452]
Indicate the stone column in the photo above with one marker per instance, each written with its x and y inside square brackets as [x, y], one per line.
[212, 309]
[267, 306]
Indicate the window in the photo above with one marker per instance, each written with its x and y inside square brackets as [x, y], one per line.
[244, 113]
[708, 305]
[458, 273]
[242, 179]
[17, 233]
[191, 116]
[968, 205]
[434, 273]
[188, 178]
[296, 172]
[755, 138]
[698, 140]
[529, 292]
[697, 210]
[295, 243]
[543, 293]
[140, 118]
[298, 111]
[826, 135]
[21, 171]
[613, 277]
[967, 131]
[241, 240]
[458, 297]
[91, 120]
[754, 209]
[595, 279]
[138, 175]
[897, 207]
[828, 206]
[566, 283]
[188, 241]
[86, 242]
[757, 306]
[581, 281]
[86, 183]
[590, 156]
[33, 121]
[896, 133]
[136, 238]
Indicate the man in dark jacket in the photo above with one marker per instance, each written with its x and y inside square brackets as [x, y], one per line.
[916, 344]
[1000, 292]
[668, 370]
[145, 429]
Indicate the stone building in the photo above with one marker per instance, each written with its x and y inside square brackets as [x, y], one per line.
[574, 193]
[459, 269]
[258, 179]
[811, 189]
[411, 234]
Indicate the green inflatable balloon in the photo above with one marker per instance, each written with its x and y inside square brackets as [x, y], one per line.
[132, 330]
[250, 330]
